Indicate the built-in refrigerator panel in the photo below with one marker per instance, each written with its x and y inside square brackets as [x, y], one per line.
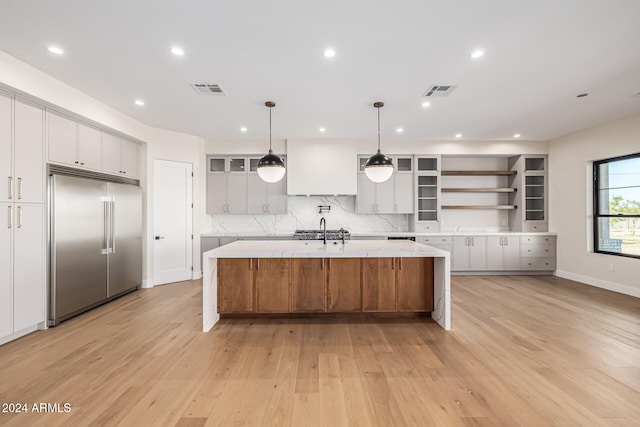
[78, 230]
[125, 259]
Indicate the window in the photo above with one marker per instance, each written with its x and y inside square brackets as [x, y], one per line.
[617, 206]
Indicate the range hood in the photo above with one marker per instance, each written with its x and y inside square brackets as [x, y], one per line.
[322, 167]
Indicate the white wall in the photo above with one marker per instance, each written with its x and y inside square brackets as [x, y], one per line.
[160, 144]
[570, 201]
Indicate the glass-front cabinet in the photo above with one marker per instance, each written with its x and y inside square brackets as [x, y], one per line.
[535, 193]
[427, 194]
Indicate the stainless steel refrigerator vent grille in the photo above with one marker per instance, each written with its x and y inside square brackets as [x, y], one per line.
[208, 89]
[63, 170]
[439, 90]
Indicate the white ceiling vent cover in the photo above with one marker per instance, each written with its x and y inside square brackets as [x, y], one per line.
[208, 89]
[439, 90]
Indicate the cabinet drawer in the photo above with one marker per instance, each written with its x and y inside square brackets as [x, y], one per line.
[543, 264]
[427, 227]
[540, 250]
[538, 239]
[433, 240]
[535, 226]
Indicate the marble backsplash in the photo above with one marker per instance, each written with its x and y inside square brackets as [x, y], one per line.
[302, 214]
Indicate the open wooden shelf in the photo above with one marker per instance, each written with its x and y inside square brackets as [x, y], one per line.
[498, 207]
[479, 190]
[477, 173]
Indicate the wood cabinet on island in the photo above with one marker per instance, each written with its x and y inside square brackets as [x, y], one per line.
[310, 277]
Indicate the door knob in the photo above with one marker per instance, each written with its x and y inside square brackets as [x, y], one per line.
[159, 237]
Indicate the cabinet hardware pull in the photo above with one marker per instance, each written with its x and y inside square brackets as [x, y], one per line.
[19, 216]
[257, 263]
[10, 217]
[250, 263]
[393, 263]
[322, 268]
[19, 188]
[400, 263]
[10, 187]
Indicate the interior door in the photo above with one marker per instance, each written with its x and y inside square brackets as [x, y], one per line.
[173, 231]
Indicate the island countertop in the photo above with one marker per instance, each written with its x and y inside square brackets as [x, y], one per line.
[333, 249]
[316, 249]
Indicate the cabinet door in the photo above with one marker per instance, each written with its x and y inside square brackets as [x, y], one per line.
[89, 146]
[308, 284]
[414, 283]
[460, 254]
[6, 279]
[378, 284]
[6, 150]
[29, 266]
[494, 253]
[216, 193]
[129, 158]
[511, 253]
[62, 139]
[365, 199]
[344, 292]
[110, 153]
[237, 193]
[403, 193]
[29, 153]
[256, 194]
[277, 197]
[273, 276]
[385, 197]
[235, 285]
[478, 253]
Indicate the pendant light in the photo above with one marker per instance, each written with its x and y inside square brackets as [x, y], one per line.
[271, 167]
[379, 167]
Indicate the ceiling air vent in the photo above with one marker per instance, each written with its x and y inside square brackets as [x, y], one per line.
[208, 89]
[440, 90]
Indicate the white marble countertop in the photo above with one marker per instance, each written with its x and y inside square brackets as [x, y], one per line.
[316, 249]
[379, 233]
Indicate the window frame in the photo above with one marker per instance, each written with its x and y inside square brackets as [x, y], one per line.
[596, 205]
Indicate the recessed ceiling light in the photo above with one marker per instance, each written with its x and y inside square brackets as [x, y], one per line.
[243, 129]
[322, 129]
[399, 130]
[329, 53]
[177, 51]
[426, 104]
[55, 50]
[478, 53]
[516, 135]
[139, 102]
[458, 135]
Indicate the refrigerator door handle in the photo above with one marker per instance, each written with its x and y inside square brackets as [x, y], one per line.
[106, 249]
[112, 215]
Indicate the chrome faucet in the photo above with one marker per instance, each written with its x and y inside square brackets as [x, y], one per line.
[323, 225]
[342, 233]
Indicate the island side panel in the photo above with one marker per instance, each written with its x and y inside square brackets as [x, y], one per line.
[210, 315]
[442, 291]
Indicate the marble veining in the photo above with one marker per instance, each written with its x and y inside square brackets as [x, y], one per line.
[302, 213]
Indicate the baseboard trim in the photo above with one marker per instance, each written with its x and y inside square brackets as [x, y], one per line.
[196, 275]
[599, 283]
[147, 283]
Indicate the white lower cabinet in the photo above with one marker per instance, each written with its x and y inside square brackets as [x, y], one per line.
[469, 253]
[22, 278]
[503, 253]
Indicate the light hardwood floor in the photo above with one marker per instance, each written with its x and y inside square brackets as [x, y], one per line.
[532, 351]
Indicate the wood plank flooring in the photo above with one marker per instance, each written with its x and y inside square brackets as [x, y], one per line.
[531, 351]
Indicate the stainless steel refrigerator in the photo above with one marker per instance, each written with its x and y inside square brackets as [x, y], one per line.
[96, 243]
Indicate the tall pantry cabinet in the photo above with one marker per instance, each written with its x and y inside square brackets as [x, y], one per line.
[22, 218]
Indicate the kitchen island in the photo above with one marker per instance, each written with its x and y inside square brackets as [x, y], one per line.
[308, 276]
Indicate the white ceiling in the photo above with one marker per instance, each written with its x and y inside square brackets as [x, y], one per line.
[540, 54]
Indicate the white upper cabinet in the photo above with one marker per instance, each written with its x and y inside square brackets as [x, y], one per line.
[6, 149]
[62, 137]
[120, 156]
[89, 146]
[392, 196]
[28, 163]
[321, 167]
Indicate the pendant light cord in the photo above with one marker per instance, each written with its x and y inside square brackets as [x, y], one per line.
[378, 129]
[270, 150]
